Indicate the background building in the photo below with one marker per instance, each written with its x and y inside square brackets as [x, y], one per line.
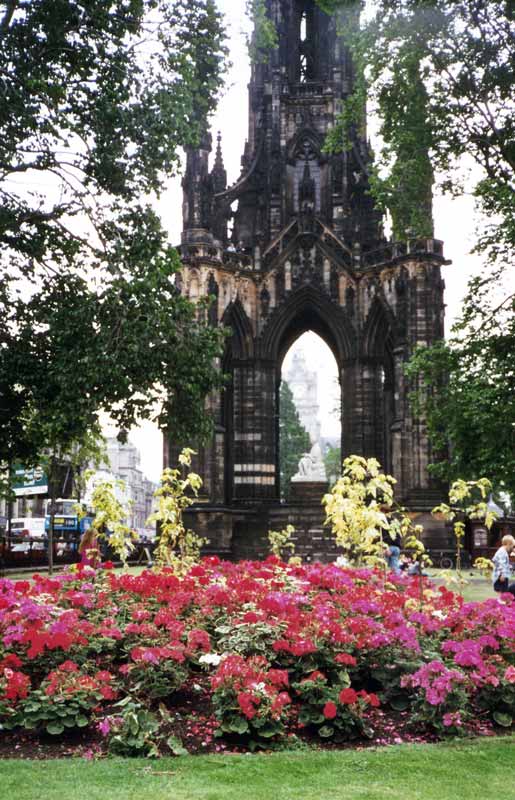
[124, 465]
[304, 384]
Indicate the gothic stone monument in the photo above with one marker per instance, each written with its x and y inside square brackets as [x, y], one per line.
[306, 252]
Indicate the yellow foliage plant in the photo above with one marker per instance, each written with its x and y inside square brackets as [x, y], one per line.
[361, 509]
[467, 499]
[281, 542]
[110, 520]
[177, 546]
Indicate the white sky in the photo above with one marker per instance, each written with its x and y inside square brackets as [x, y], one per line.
[454, 224]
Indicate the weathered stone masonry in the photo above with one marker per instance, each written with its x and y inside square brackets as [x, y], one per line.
[306, 252]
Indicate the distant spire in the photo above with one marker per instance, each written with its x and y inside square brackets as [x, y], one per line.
[219, 173]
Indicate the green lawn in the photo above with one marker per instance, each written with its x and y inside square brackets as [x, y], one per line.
[477, 588]
[457, 771]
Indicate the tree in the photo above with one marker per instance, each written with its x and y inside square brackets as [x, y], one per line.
[361, 511]
[294, 438]
[467, 397]
[333, 462]
[97, 100]
[439, 75]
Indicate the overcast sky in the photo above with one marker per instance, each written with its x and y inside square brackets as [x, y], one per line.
[454, 224]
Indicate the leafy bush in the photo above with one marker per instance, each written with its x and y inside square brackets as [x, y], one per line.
[250, 698]
[65, 700]
[333, 711]
[136, 731]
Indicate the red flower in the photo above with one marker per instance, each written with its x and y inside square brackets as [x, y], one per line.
[17, 685]
[246, 703]
[348, 696]
[69, 666]
[346, 658]
[330, 710]
[373, 700]
[11, 661]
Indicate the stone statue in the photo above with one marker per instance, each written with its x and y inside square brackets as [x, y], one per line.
[311, 467]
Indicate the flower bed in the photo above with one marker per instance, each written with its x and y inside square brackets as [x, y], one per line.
[250, 655]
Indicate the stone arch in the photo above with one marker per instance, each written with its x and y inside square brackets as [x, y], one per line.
[378, 346]
[194, 285]
[305, 134]
[240, 343]
[379, 331]
[308, 309]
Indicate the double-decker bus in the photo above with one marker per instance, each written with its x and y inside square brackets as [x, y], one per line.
[67, 524]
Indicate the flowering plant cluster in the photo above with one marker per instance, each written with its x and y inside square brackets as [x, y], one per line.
[64, 700]
[249, 697]
[334, 711]
[273, 650]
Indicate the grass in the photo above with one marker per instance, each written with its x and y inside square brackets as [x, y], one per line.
[478, 587]
[466, 770]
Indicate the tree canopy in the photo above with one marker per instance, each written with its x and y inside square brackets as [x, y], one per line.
[98, 98]
[294, 439]
[439, 76]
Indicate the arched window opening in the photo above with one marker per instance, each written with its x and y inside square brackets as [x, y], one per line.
[309, 416]
[303, 27]
[306, 45]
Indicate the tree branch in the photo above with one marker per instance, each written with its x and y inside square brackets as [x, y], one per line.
[10, 8]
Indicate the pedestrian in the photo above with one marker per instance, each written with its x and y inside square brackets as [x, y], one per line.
[392, 542]
[88, 549]
[502, 567]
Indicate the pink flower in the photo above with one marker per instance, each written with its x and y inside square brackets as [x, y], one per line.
[104, 727]
[452, 719]
[509, 675]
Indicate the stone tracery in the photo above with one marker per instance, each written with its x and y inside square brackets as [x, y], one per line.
[307, 252]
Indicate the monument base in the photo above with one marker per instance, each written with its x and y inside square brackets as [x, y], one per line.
[308, 491]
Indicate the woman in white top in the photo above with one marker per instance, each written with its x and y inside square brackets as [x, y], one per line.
[502, 567]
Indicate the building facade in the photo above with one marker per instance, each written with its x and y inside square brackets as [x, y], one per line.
[304, 385]
[124, 465]
[295, 244]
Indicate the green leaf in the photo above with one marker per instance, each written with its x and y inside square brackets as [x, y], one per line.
[235, 725]
[326, 731]
[503, 719]
[399, 702]
[81, 721]
[54, 728]
[176, 746]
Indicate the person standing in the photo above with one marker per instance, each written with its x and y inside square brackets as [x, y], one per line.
[502, 567]
[88, 549]
[392, 541]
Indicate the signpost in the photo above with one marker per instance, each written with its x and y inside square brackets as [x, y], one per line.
[29, 481]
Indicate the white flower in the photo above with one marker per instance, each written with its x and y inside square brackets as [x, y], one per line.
[212, 659]
[439, 614]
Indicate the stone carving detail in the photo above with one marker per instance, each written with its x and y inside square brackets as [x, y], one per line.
[213, 291]
[264, 298]
[305, 245]
[311, 467]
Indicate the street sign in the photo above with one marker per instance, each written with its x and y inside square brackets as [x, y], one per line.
[29, 481]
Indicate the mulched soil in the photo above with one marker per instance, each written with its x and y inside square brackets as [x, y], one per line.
[195, 725]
